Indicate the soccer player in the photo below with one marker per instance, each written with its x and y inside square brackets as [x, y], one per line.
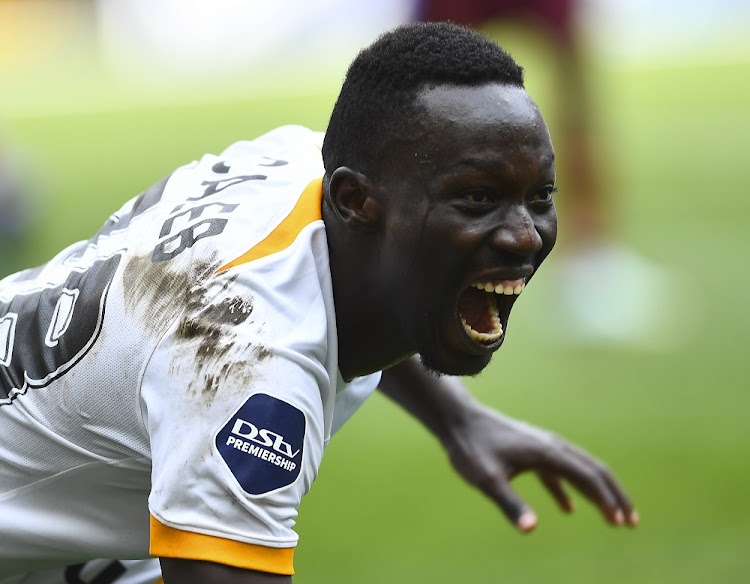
[169, 386]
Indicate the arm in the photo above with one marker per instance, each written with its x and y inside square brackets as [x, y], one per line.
[489, 449]
[198, 572]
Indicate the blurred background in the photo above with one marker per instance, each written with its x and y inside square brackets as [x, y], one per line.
[631, 342]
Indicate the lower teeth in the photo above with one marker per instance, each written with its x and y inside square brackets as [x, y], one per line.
[484, 337]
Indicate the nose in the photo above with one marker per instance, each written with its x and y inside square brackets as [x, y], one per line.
[516, 233]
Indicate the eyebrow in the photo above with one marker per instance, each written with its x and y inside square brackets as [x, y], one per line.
[495, 164]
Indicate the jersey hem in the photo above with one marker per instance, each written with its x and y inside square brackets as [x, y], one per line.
[169, 542]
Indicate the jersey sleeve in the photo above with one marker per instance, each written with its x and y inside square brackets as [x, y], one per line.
[238, 395]
[238, 403]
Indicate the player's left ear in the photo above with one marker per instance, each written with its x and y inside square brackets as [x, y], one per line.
[351, 197]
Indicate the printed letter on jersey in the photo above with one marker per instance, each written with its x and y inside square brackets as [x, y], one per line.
[262, 444]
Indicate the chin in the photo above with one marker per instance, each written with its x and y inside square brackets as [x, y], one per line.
[465, 366]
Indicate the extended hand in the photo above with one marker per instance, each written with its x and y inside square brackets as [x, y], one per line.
[489, 449]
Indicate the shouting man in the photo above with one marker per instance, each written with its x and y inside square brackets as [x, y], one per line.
[168, 387]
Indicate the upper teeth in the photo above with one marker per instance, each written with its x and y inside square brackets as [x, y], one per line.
[500, 288]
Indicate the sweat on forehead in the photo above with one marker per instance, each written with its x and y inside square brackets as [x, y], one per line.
[377, 99]
[449, 120]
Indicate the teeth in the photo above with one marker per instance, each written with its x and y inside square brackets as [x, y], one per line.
[486, 337]
[500, 288]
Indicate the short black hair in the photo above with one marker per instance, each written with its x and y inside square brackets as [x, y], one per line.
[377, 101]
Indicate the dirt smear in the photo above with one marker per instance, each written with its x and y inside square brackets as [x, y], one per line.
[208, 315]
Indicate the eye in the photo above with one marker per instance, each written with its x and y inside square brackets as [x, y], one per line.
[543, 196]
[477, 197]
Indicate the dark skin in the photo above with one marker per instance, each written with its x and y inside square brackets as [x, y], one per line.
[174, 570]
[465, 200]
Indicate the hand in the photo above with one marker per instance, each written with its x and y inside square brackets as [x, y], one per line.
[489, 449]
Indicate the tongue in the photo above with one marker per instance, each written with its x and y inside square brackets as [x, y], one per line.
[474, 309]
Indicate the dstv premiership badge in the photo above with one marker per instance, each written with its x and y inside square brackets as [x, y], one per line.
[262, 444]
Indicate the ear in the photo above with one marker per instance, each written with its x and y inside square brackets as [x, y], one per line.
[351, 197]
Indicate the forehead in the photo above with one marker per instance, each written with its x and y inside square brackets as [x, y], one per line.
[482, 102]
[493, 117]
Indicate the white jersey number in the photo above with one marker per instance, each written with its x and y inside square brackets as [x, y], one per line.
[45, 332]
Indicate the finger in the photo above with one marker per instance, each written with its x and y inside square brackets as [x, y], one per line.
[614, 504]
[594, 480]
[554, 485]
[527, 522]
[596, 489]
[514, 508]
[603, 490]
[630, 515]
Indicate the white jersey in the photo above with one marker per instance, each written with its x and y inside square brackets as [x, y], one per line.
[169, 386]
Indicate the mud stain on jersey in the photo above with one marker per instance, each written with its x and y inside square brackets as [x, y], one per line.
[213, 382]
[208, 328]
[210, 320]
[261, 353]
[211, 353]
[235, 373]
[156, 293]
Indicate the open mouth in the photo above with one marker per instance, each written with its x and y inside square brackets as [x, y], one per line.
[481, 305]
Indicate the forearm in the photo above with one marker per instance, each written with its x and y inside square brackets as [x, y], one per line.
[176, 571]
[441, 404]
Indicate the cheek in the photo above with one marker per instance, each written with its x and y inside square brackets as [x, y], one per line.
[449, 246]
[546, 226]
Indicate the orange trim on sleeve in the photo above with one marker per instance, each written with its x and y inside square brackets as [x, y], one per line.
[168, 542]
[305, 212]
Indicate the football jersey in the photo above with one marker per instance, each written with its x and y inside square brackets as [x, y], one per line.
[169, 386]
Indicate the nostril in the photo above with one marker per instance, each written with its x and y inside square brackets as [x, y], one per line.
[520, 239]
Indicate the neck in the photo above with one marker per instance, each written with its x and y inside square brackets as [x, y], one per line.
[368, 338]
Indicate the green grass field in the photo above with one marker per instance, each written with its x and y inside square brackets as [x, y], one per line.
[673, 425]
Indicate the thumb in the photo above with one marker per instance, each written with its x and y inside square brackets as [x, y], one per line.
[515, 509]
